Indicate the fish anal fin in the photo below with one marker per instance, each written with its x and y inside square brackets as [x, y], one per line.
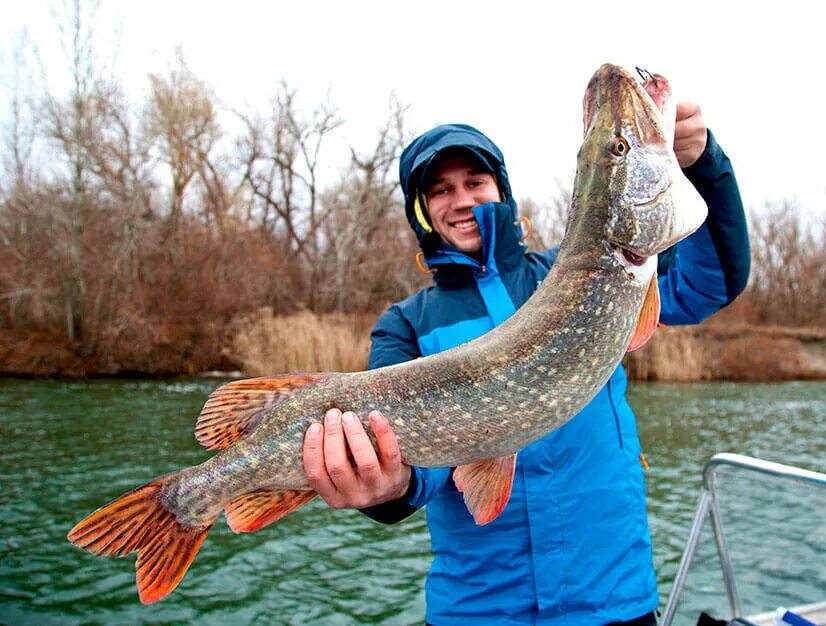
[139, 522]
[649, 316]
[234, 409]
[486, 486]
[253, 510]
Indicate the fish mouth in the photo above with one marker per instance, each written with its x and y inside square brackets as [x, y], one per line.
[629, 258]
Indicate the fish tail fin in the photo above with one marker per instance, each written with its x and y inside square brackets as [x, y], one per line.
[140, 522]
[253, 510]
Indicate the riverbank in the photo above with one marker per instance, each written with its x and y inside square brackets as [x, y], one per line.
[261, 343]
[743, 352]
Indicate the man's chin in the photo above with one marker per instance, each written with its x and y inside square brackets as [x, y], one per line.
[468, 245]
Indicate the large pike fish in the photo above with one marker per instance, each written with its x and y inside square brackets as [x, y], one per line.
[473, 407]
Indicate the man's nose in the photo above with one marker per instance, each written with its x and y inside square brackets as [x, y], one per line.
[463, 199]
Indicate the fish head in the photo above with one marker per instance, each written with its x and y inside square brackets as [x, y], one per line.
[627, 169]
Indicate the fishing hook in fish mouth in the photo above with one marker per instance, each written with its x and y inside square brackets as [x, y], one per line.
[644, 74]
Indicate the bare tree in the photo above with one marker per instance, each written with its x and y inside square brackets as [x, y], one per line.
[70, 124]
[788, 279]
[182, 120]
[22, 290]
[280, 157]
[369, 249]
[548, 219]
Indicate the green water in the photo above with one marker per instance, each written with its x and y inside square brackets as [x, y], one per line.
[69, 447]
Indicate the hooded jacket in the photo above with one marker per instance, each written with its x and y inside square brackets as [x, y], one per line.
[573, 545]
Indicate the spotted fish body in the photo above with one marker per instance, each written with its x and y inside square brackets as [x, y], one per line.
[472, 407]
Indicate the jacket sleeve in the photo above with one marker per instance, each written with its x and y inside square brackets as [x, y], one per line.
[394, 341]
[706, 271]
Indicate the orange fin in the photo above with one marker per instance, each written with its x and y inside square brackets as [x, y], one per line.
[649, 316]
[254, 510]
[235, 409]
[643, 462]
[486, 486]
[139, 522]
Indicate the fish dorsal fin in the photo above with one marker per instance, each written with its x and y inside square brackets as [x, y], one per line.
[234, 409]
[649, 316]
[486, 486]
[253, 510]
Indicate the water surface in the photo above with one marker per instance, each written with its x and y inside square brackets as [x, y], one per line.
[69, 447]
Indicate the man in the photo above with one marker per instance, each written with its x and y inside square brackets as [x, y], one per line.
[572, 546]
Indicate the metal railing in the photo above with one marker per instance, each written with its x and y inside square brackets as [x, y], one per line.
[708, 507]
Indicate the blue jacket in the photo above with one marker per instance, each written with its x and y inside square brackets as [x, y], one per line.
[572, 546]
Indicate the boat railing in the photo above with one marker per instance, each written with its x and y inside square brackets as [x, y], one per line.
[708, 506]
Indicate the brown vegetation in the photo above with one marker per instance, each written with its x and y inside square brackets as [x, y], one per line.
[133, 238]
[302, 342]
[733, 352]
[788, 281]
[146, 239]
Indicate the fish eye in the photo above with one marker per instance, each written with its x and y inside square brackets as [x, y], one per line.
[619, 147]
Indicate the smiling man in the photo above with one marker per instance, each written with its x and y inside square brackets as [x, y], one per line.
[455, 183]
[572, 547]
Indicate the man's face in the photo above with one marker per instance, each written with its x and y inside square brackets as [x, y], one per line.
[458, 184]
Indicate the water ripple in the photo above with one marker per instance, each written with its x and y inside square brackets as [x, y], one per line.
[69, 447]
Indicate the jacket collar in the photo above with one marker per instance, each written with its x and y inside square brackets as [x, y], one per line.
[502, 249]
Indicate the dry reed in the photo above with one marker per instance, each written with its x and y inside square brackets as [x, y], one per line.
[266, 344]
[730, 352]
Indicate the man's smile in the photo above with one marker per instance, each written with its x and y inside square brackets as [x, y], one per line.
[466, 224]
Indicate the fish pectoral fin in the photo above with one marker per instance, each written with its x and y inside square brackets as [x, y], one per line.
[253, 510]
[649, 316]
[486, 486]
[140, 521]
[235, 409]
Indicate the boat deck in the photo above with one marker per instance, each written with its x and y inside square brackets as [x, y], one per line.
[815, 613]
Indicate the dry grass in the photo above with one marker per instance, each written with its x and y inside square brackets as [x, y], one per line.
[672, 354]
[266, 344]
[730, 352]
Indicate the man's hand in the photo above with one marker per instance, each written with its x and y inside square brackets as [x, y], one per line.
[372, 477]
[689, 133]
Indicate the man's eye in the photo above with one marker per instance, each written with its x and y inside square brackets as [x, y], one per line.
[438, 192]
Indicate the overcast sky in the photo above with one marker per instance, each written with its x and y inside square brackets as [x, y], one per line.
[515, 70]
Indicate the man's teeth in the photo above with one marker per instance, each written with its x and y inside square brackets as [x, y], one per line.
[465, 224]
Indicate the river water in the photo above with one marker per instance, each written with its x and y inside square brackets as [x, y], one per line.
[69, 447]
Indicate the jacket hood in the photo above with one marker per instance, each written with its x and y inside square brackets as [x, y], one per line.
[420, 153]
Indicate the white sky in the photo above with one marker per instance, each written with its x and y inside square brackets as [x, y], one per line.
[516, 70]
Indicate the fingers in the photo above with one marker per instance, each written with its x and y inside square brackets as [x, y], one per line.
[315, 467]
[690, 134]
[687, 109]
[396, 474]
[364, 455]
[339, 469]
[386, 443]
[345, 469]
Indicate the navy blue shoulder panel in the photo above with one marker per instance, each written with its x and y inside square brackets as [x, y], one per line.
[396, 334]
[522, 284]
[392, 340]
[713, 176]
